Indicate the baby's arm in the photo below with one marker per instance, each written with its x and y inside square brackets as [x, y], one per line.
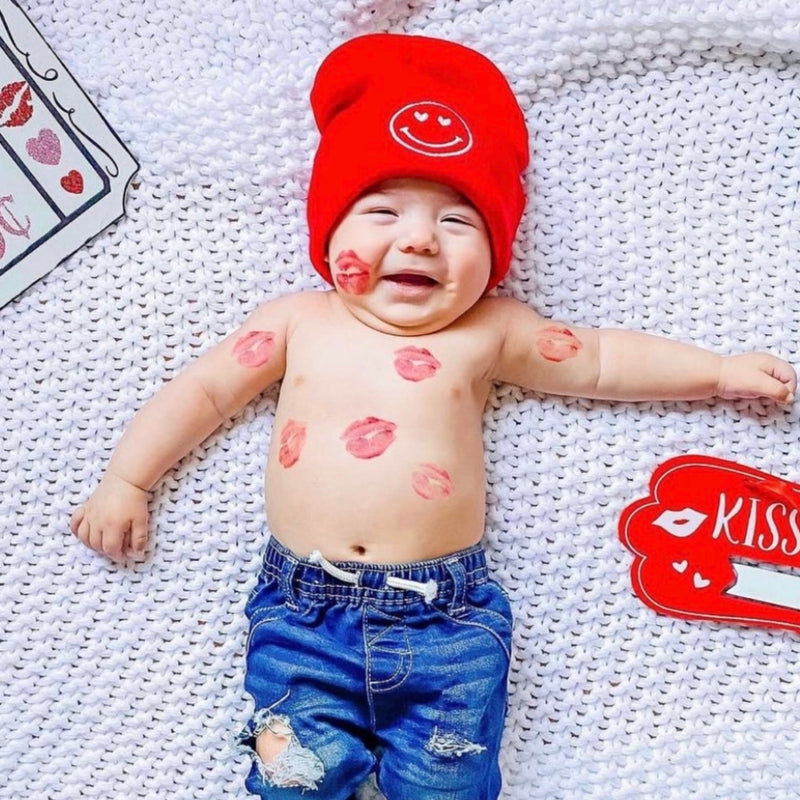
[627, 365]
[179, 417]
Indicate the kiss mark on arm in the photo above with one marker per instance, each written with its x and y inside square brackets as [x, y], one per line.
[293, 437]
[431, 482]
[557, 343]
[415, 363]
[353, 274]
[368, 437]
[254, 349]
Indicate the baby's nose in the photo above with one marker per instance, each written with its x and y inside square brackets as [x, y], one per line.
[418, 237]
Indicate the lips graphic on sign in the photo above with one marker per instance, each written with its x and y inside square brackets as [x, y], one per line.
[719, 541]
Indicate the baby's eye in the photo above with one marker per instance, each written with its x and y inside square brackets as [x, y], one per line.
[389, 212]
[459, 220]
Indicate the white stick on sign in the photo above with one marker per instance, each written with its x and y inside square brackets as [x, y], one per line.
[766, 586]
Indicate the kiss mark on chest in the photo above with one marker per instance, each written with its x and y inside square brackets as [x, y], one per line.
[254, 349]
[415, 363]
[368, 437]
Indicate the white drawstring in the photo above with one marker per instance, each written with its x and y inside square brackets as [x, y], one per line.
[428, 590]
[343, 575]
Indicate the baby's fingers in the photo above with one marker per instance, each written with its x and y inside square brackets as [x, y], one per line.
[139, 535]
[76, 518]
[775, 388]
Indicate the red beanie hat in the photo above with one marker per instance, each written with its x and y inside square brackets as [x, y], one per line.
[399, 106]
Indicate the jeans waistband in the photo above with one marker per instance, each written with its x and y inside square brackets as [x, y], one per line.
[444, 579]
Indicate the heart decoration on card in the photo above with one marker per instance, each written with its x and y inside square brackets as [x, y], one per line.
[72, 182]
[15, 104]
[45, 147]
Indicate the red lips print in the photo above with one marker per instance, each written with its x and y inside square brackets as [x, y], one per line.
[353, 276]
[557, 343]
[293, 437]
[368, 437]
[431, 482]
[15, 105]
[415, 363]
[254, 348]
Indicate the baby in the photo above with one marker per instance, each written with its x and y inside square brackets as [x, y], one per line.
[379, 646]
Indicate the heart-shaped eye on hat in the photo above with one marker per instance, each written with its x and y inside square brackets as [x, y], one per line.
[420, 116]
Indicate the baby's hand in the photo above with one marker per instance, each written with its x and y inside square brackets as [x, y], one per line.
[113, 521]
[757, 375]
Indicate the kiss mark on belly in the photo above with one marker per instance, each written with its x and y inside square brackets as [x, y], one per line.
[368, 437]
[431, 482]
[415, 363]
[254, 349]
[353, 274]
[557, 343]
[293, 437]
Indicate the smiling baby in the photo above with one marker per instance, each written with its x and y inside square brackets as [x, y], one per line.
[379, 645]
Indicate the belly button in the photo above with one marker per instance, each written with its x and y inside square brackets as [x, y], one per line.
[359, 550]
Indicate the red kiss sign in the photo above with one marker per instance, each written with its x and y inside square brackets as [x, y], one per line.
[718, 541]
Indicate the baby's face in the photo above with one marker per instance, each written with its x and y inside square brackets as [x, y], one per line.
[410, 257]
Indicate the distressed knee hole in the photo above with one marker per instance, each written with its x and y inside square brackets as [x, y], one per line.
[273, 741]
[451, 745]
[281, 758]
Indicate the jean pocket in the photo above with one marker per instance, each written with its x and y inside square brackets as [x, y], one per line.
[487, 611]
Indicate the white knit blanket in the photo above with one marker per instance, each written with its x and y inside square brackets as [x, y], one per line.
[664, 195]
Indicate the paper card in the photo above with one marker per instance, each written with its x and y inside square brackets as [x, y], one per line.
[719, 541]
[63, 171]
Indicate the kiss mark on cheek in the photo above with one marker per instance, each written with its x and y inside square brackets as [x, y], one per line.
[254, 349]
[368, 437]
[353, 274]
[431, 482]
[293, 437]
[415, 363]
[557, 343]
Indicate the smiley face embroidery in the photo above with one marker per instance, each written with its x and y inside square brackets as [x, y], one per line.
[432, 129]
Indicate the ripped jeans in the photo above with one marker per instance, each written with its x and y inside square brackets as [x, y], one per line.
[392, 675]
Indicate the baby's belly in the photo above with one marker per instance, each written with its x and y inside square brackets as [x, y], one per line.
[351, 504]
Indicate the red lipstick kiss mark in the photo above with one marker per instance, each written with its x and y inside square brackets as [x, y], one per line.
[254, 348]
[368, 437]
[353, 276]
[15, 105]
[431, 482]
[293, 437]
[557, 343]
[415, 363]
[72, 182]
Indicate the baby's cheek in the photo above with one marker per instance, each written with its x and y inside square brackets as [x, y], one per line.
[353, 276]
[254, 349]
[557, 343]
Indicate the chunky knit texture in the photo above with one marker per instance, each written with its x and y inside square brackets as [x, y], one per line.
[664, 195]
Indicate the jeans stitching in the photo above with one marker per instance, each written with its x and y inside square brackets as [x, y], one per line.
[473, 624]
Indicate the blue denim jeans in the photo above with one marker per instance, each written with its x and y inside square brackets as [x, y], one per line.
[392, 673]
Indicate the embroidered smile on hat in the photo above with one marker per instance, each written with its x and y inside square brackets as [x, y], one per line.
[399, 106]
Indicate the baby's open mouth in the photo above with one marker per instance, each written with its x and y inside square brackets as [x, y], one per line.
[411, 279]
